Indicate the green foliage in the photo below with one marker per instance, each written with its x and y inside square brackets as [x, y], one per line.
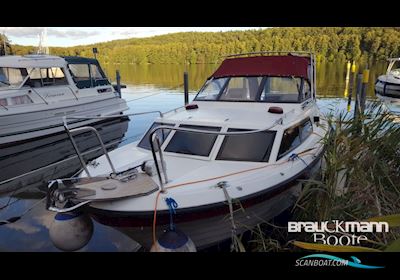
[329, 43]
[359, 179]
[5, 47]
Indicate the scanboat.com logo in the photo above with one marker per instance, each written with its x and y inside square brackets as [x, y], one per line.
[329, 260]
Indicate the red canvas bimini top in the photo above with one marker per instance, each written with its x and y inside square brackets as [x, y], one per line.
[264, 66]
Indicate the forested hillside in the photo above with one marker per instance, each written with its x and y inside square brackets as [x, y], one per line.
[329, 43]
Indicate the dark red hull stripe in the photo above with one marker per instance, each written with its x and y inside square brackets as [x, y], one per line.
[137, 219]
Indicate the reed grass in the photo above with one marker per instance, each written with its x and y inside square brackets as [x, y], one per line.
[360, 179]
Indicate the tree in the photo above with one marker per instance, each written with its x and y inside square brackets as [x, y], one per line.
[330, 43]
[5, 46]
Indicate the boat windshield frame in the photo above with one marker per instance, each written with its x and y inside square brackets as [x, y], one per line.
[301, 94]
[392, 62]
[6, 85]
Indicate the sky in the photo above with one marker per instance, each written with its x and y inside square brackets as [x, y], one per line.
[73, 36]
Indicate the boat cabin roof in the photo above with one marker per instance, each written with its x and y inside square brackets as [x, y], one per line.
[43, 61]
[278, 65]
[32, 61]
[262, 78]
[80, 60]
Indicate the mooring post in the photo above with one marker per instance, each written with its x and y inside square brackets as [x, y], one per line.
[351, 86]
[186, 87]
[358, 95]
[363, 98]
[346, 89]
[118, 78]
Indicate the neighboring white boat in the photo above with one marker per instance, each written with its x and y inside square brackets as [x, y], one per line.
[36, 91]
[251, 133]
[387, 87]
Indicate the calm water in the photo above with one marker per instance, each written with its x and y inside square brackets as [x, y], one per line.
[149, 88]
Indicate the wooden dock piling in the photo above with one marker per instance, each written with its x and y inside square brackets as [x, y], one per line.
[363, 97]
[358, 95]
[186, 87]
[351, 85]
[118, 78]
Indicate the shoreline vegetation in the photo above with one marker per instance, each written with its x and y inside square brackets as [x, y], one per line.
[328, 43]
[360, 181]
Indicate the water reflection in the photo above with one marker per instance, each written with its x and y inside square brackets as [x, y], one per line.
[42, 160]
[330, 75]
[168, 76]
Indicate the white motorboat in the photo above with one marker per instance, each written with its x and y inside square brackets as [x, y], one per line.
[240, 148]
[36, 91]
[387, 87]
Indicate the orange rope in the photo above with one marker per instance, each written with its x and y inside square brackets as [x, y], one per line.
[155, 219]
[306, 152]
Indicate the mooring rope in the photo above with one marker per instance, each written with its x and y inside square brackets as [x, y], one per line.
[172, 205]
[234, 245]
[294, 156]
[303, 153]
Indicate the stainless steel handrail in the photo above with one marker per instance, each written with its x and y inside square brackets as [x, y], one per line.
[111, 116]
[155, 139]
[4, 107]
[41, 97]
[268, 52]
[82, 129]
[56, 163]
[89, 128]
[73, 93]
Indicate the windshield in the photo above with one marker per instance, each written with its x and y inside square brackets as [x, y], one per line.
[211, 89]
[395, 72]
[12, 77]
[87, 75]
[256, 89]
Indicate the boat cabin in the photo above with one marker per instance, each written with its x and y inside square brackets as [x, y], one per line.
[240, 96]
[45, 79]
[42, 71]
[86, 72]
[271, 79]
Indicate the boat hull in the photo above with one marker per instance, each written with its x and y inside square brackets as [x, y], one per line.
[210, 231]
[16, 127]
[210, 224]
[387, 88]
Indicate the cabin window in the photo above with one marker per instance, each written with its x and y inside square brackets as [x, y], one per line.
[42, 77]
[12, 77]
[305, 129]
[161, 133]
[294, 136]
[80, 71]
[192, 143]
[97, 76]
[241, 89]
[94, 71]
[22, 99]
[306, 90]
[87, 75]
[211, 89]
[254, 147]
[281, 89]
